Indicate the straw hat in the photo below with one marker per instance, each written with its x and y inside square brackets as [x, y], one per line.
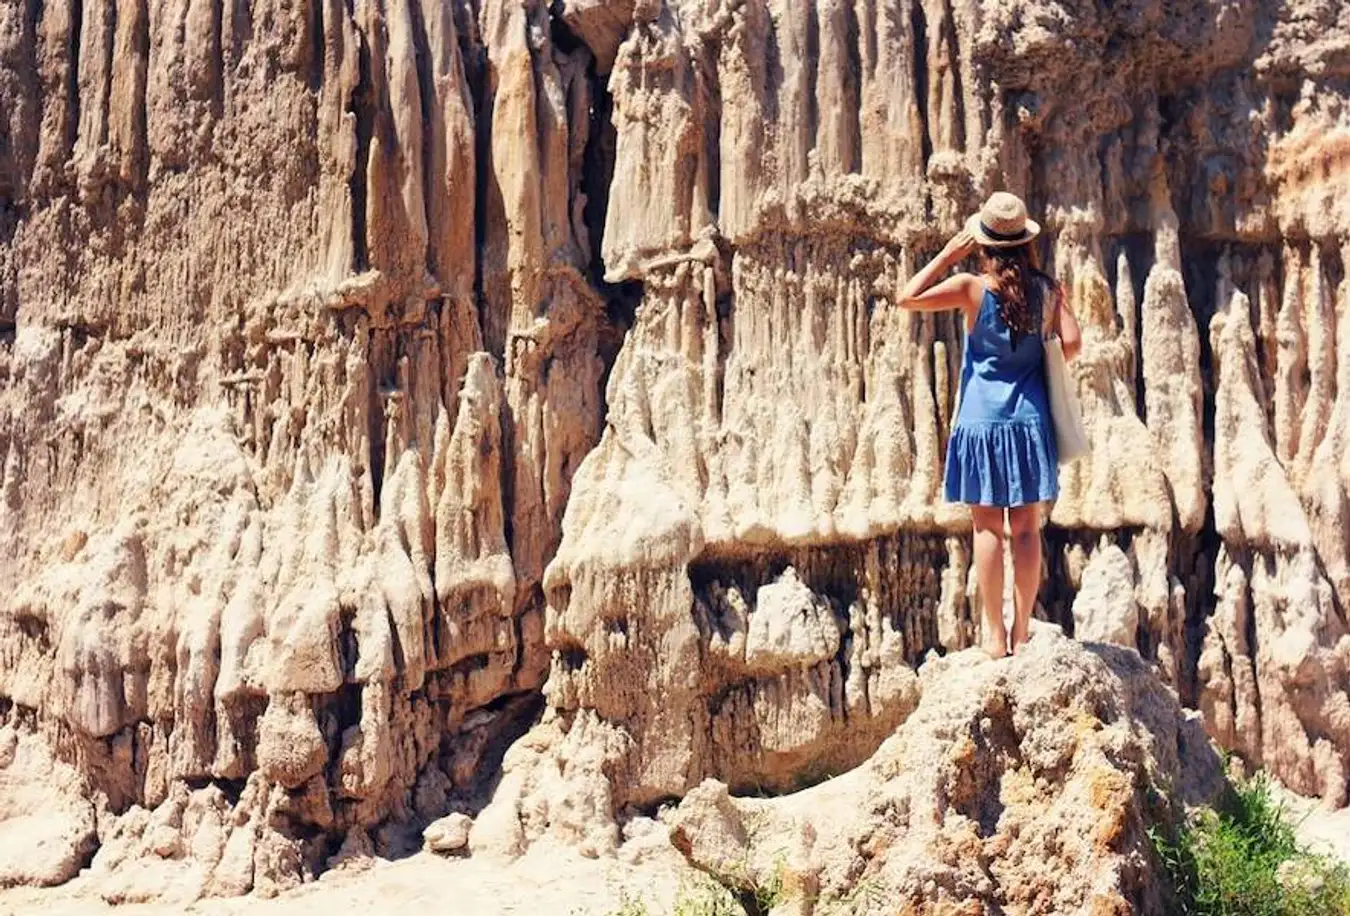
[1002, 222]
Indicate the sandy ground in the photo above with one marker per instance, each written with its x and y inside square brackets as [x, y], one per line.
[546, 882]
[1322, 830]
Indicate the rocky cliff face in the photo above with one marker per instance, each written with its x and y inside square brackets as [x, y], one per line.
[374, 374]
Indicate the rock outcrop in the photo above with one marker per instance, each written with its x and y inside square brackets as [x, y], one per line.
[381, 380]
[1024, 785]
[46, 835]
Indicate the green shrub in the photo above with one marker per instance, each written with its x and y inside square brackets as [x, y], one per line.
[1244, 859]
[770, 893]
[706, 898]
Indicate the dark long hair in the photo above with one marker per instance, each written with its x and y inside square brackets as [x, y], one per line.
[1020, 287]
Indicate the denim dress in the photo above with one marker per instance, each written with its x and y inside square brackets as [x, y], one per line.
[1002, 448]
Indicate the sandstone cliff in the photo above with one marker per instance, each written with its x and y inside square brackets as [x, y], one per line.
[376, 374]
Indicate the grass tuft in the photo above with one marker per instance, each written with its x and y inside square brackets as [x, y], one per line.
[706, 898]
[701, 897]
[629, 907]
[1244, 859]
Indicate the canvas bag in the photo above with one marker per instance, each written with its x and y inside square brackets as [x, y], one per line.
[1070, 436]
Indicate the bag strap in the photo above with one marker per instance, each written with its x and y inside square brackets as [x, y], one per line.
[1057, 292]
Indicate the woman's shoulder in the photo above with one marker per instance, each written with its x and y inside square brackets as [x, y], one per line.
[973, 285]
[978, 287]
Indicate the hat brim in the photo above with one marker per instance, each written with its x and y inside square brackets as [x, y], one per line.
[976, 229]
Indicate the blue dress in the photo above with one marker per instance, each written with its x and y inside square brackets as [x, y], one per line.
[1002, 449]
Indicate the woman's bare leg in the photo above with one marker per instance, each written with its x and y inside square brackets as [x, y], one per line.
[1025, 522]
[989, 574]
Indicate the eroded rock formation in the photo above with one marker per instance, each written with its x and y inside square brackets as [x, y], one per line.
[801, 442]
[1025, 785]
[332, 446]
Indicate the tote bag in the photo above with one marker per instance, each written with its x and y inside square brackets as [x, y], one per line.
[1070, 436]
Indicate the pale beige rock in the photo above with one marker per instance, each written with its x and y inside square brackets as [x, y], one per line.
[449, 834]
[374, 373]
[790, 627]
[289, 743]
[303, 569]
[47, 831]
[1027, 782]
[602, 24]
[1105, 609]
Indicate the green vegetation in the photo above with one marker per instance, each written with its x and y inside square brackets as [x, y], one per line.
[1244, 859]
[629, 907]
[704, 897]
[772, 892]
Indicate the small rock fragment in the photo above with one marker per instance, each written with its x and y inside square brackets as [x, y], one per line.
[448, 835]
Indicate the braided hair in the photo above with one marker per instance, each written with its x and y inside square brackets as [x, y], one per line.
[1019, 286]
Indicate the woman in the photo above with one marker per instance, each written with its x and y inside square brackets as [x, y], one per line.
[1001, 456]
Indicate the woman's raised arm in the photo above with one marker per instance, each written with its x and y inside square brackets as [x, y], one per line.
[952, 293]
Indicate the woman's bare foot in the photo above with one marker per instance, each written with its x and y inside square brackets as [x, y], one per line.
[1021, 635]
[996, 648]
